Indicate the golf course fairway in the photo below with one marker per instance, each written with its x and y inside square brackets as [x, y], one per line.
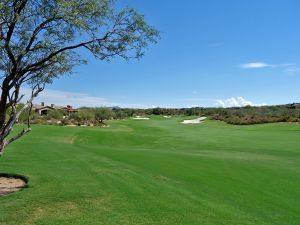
[156, 171]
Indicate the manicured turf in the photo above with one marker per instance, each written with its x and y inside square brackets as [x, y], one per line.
[156, 172]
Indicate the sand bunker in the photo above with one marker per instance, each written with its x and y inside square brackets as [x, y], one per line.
[194, 121]
[167, 117]
[141, 118]
[9, 185]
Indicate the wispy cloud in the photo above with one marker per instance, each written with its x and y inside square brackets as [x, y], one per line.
[235, 102]
[292, 70]
[287, 68]
[75, 99]
[255, 65]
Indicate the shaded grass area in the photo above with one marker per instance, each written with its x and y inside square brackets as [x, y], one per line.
[17, 176]
[156, 172]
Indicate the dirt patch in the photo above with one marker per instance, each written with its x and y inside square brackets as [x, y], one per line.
[10, 184]
[72, 139]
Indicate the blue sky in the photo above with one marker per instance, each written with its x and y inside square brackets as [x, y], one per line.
[211, 53]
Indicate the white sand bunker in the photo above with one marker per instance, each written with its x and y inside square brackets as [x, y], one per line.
[141, 118]
[167, 117]
[194, 121]
[9, 185]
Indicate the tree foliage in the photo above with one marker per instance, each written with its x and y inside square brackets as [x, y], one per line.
[39, 41]
[102, 114]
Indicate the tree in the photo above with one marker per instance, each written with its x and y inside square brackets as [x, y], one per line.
[120, 114]
[103, 114]
[84, 116]
[39, 39]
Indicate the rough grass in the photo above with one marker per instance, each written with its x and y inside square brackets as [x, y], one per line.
[156, 172]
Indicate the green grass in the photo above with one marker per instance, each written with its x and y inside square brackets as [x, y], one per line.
[156, 172]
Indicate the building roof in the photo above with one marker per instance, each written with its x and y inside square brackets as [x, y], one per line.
[41, 106]
[35, 106]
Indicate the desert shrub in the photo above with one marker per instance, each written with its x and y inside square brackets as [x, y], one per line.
[237, 115]
[55, 114]
[120, 114]
[65, 122]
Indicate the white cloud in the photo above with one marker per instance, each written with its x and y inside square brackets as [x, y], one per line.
[288, 68]
[255, 65]
[192, 106]
[75, 99]
[235, 102]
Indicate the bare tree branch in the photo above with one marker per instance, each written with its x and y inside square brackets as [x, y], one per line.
[16, 115]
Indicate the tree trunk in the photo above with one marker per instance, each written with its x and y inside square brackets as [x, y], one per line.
[2, 146]
[2, 127]
[3, 102]
[3, 108]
